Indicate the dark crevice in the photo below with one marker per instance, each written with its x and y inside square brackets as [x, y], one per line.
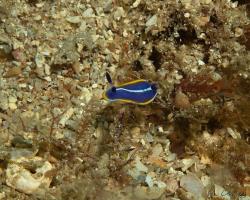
[178, 140]
[206, 58]
[137, 66]
[187, 36]
[248, 10]
[215, 20]
[58, 67]
[213, 124]
[156, 57]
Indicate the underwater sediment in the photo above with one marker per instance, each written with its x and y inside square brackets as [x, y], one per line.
[59, 139]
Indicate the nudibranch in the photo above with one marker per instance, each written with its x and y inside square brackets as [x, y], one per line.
[138, 92]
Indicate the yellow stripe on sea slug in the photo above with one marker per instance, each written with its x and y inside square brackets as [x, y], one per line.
[135, 102]
[131, 82]
[105, 96]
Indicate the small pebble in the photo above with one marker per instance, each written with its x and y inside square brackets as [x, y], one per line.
[238, 32]
[66, 116]
[86, 95]
[152, 21]
[135, 132]
[74, 19]
[220, 191]
[12, 72]
[192, 184]
[2, 195]
[88, 13]
[37, 17]
[119, 13]
[182, 100]
[187, 15]
[235, 134]
[12, 102]
[187, 162]
[140, 166]
[136, 3]
[172, 185]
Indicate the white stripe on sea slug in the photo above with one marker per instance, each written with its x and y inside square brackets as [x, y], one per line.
[135, 101]
[135, 91]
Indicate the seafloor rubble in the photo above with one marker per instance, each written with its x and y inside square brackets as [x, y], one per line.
[60, 140]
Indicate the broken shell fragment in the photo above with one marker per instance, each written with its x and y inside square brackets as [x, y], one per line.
[24, 180]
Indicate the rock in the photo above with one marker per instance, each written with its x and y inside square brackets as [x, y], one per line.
[12, 72]
[47, 69]
[146, 193]
[172, 185]
[149, 181]
[2, 195]
[26, 181]
[103, 170]
[221, 192]
[77, 67]
[206, 180]
[86, 95]
[157, 161]
[88, 13]
[39, 5]
[19, 141]
[234, 133]
[4, 136]
[70, 135]
[171, 157]
[152, 21]
[39, 60]
[206, 1]
[238, 32]
[192, 184]
[181, 100]
[157, 150]
[247, 188]
[95, 85]
[119, 13]
[135, 132]
[66, 116]
[37, 17]
[216, 76]
[108, 6]
[5, 50]
[136, 3]
[134, 173]
[12, 102]
[19, 55]
[140, 166]
[160, 184]
[5, 45]
[187, 162]
[149, 138]
[138, 172]
[12, 106]
[74, 19]
[20, 154]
